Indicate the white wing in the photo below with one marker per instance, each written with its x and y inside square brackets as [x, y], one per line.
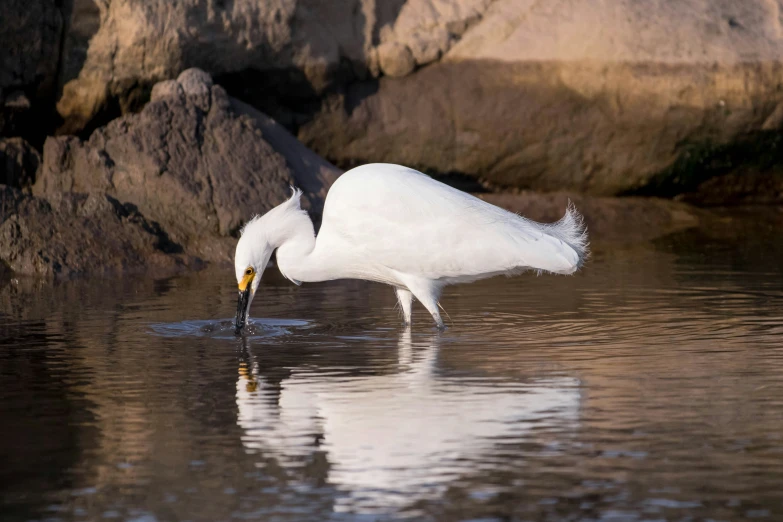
[401, 219]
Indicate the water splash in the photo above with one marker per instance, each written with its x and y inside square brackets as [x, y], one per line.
[258, 328]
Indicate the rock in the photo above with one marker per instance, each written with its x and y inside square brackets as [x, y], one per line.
[195, 82]
[427, 48]
[19, 162]
[582, 96]
[395, 59]
[72, 234]
[304, 48]
[30, 33]
[140, 42]
[191, 163]
[566, 95]
[313, 174]
[161, 190]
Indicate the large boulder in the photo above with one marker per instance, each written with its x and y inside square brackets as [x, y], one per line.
[190, 163]
[590, 96]
[163, 189]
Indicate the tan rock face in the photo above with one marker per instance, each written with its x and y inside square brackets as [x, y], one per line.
[140, 42]
[571, 94]
[522, 125]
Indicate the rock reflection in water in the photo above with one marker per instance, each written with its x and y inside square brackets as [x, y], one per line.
[394, 439]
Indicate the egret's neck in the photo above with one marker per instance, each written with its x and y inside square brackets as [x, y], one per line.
[295, 242]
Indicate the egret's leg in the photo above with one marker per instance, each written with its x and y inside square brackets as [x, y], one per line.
[432, 308]
[427, 292]
[405, 298]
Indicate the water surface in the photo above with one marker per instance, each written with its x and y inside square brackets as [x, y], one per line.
[648, 387]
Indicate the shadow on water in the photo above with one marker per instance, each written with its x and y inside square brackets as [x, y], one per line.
[625, 391]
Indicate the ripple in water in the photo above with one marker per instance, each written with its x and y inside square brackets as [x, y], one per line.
[258, 328]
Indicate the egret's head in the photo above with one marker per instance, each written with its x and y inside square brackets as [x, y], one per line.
[251, 257]
[260, 236]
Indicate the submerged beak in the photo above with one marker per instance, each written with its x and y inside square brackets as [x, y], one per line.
[243, 302]
[242, 305]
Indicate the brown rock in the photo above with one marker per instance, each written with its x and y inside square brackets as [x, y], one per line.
[72, 234]
[395, 59]
[164, 188]
[313, 174]
[190, 162]
[19, 162]
[141, 42]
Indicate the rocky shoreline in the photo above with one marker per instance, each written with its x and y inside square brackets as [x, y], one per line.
[167, 190]
[118, 150]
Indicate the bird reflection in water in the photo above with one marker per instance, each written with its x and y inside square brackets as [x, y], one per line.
[392, 439]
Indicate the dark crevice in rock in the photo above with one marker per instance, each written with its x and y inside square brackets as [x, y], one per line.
[31, 41]
[19, 163]
[355, 94]
[82, 21]
[66, 12]
[289, 97]
[386, 13]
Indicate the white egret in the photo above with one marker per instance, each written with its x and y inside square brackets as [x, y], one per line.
[394, 225]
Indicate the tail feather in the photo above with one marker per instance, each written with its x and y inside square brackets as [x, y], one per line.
[571, 229]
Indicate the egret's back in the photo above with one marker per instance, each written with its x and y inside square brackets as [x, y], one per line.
[399, 219]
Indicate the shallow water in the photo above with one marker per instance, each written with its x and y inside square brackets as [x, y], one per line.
[648, 387]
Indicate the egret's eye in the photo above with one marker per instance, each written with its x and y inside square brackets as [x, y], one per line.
[249, 271]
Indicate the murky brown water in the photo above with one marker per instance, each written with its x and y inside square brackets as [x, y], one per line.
[648, 387]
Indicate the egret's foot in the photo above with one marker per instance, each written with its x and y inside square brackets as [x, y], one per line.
[439, 324]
